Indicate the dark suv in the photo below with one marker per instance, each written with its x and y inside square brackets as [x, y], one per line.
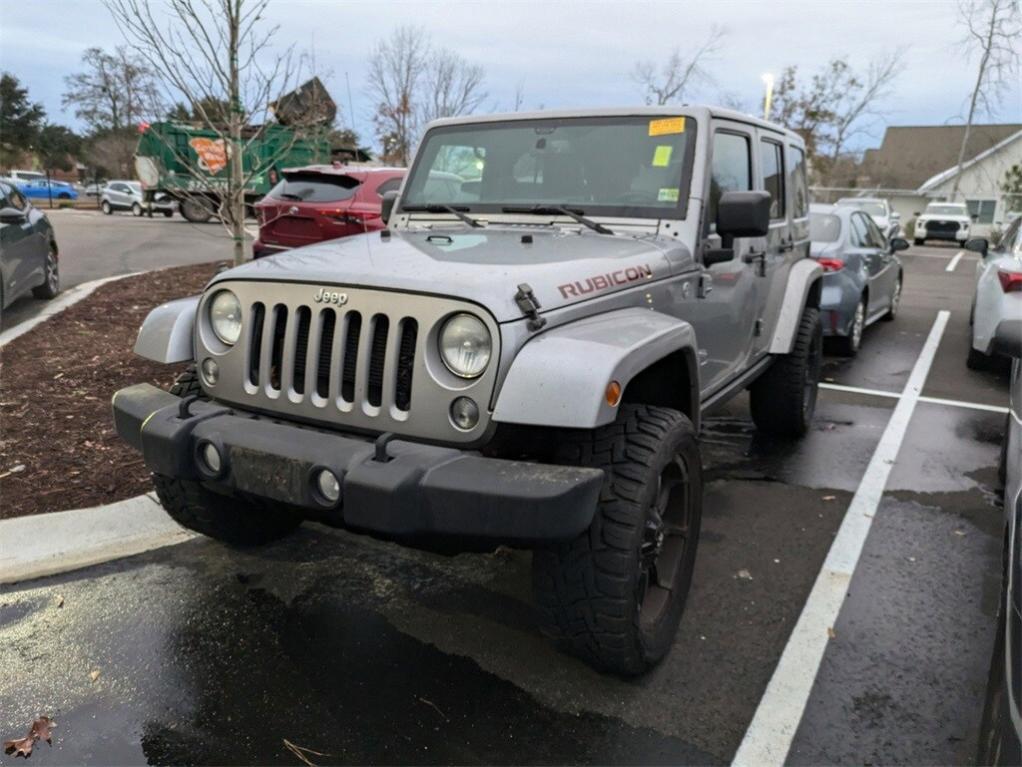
[28, 249]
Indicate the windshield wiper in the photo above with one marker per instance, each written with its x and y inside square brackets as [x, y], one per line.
[560, 209]
[437, 208]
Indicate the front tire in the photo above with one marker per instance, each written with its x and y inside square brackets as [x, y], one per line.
[783, 399]
[614, 596]
[918, 241]
[232, 521]
[892, 311]
[107, 208]
[195, 210]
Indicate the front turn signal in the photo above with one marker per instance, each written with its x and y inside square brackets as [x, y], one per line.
[613, 393]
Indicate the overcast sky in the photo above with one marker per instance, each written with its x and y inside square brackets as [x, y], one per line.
[564, 54]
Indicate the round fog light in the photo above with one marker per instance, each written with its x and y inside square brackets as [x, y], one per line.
[211, 457]
[210, 371]
[464, 413]
[328, 486]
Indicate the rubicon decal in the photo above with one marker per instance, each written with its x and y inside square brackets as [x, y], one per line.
[604, 281]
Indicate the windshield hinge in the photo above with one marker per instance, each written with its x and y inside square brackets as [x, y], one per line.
[527, 302]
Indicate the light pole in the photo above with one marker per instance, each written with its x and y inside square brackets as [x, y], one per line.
[768, 81]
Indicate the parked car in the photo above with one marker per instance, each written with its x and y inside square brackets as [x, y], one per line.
[24, 176]
[863, 276]
[527, 363]
[29, 258]
[322, 202]
[949, 221]
[127, 195]
[41, 189]
[879, 210]
[1000, 738]
[94, 188]
[995, 321]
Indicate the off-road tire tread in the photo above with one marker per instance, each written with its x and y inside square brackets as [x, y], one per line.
[229, 520]
[776, 396]
[585, 588]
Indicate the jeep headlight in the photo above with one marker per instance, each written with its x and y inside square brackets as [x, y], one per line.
[465, 345]
[225, 317]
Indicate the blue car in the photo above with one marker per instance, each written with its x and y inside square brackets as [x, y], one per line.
[41, 189]
[862, 278]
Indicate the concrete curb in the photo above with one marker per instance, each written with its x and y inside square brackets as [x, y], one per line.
[57, 305]
[47, 544]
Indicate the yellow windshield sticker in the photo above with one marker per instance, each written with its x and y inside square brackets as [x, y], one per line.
[668, 195]
[662, 156]
[666, 126]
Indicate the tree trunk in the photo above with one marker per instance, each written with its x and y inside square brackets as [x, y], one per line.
[983, 61]
[236, 185]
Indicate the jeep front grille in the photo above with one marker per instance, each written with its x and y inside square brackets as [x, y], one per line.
[361, 364]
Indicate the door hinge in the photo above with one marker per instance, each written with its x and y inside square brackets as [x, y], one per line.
[705, 285]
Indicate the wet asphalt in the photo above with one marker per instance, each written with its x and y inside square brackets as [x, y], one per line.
[367, 652]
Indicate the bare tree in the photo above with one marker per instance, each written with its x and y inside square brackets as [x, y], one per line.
[668, 83]
[451, 86]
[519, 99]
[859, 97]
[115, 91]
[217, 58]
[992, 31]
[396, 70]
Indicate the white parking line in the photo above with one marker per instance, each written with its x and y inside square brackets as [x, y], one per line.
[772, 729]
[929, 400]
[954, 261]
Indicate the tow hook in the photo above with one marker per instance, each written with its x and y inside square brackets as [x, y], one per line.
[530, 306]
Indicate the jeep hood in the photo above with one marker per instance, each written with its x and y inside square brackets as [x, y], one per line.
[484, 266]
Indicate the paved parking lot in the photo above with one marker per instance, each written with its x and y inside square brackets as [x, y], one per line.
[368, 652]
[93, 246]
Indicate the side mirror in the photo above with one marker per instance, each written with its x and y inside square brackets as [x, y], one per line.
[917, 213]
[743, 214]
[895, 216]
[898, 243]
[11, 216]
[389, 198]
[974, 217]
[978, 245]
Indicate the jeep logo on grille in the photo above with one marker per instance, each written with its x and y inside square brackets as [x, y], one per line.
[325, 296]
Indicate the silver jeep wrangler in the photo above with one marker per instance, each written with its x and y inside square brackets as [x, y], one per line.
[523, 357]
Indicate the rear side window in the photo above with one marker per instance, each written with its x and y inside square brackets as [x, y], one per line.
[797, 181]
[316, 187]
[731, 169]
[16, 199]
[860, 231]
[390, 185]
[771, 157]
[823, 227]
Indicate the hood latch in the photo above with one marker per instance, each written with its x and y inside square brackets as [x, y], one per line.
[530, 306]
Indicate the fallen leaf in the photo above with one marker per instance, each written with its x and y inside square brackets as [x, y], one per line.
[435, 707]
[20, 747]
[41, 729]
[60, 600]
[831, 633]
[94, 675]
[959, 532]
[829, 497]
[301, 751]
[744, 574]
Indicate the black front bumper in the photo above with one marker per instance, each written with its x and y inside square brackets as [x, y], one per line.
[413, 490]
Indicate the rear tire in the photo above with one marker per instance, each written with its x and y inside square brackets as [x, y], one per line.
[848, 346]
[917, 241]
[136, 210]
[195, 210]
[168, 213]
[977, 360]
[614, 596]
[230, 520]
[51, 286]
[783, 399]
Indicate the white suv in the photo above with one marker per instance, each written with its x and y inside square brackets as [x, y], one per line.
[127, 195]
[943, 221]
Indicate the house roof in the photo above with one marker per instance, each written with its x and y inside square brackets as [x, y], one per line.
[951, 172]
[911, 155]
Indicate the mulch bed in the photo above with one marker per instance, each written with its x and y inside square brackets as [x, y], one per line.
[58, 448]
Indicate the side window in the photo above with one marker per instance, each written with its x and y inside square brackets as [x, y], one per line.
[4, 191]
[771, 158]
[876, 237]
[390, 185]
[859, 234]
[797, 181]
[983, 210]
[731, 169]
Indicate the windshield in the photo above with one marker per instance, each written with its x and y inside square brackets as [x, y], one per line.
[946, 210]
[824, 227]
[611, 166]
[872, 208]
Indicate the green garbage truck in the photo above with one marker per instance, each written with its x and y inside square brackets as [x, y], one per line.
[189, 163]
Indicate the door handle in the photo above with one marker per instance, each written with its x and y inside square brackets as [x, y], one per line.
[751, 256]
[787, 247]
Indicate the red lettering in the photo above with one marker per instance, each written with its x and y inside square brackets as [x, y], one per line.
[567, 290]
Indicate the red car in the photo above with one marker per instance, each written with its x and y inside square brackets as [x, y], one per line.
[322, 202]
